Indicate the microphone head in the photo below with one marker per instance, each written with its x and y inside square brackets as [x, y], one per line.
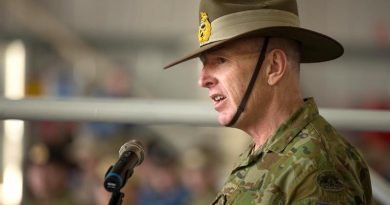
[134, 146]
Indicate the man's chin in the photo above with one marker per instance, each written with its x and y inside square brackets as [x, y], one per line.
[224, 120]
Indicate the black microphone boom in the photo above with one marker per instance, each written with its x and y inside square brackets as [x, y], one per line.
[131, 154]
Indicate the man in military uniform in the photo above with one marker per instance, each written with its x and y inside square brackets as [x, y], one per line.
[251, 51]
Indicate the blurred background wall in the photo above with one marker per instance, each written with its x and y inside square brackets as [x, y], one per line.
[116, 49]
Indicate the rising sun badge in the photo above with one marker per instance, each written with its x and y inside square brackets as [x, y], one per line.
[204, 28]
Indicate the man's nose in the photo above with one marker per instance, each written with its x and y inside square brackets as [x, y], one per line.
[206, 80]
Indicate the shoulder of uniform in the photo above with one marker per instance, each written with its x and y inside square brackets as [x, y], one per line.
[307, 145]
[336, 147]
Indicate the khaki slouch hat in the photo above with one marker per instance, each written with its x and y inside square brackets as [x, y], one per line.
[223, 21]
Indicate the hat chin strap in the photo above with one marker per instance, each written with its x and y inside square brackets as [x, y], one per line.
[249, 89]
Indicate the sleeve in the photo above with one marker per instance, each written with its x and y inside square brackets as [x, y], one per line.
[319, 187]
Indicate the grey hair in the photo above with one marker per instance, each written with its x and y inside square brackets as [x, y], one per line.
[290, 47]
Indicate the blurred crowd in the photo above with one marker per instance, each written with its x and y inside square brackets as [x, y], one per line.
[64, 169]
[66, 164]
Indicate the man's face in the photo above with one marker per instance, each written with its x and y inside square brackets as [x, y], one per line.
[226, 73]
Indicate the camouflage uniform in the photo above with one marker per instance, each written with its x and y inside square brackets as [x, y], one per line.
[306, 162]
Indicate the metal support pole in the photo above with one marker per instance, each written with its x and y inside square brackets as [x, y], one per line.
[143, 111]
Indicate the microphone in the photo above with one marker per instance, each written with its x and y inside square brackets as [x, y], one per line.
[131, 154]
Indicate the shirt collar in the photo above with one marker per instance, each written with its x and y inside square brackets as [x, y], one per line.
[283, 135]
[291, 127]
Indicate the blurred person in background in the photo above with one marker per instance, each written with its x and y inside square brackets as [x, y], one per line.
[93, 165]
[159, 179]
[49, 177]
[51, 172]
[251, 53]
[199, 173]
[117, 83]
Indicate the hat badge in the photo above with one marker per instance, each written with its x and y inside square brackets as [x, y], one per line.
[204, 28]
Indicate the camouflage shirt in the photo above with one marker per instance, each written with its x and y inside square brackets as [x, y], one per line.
[306, 161]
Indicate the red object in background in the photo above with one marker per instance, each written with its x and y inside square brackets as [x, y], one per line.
[381, 140]
[376, 144]
[381, 33]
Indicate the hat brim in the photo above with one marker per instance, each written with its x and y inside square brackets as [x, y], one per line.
[315, 47]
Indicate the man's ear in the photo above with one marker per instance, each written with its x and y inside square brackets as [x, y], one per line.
[277, 59]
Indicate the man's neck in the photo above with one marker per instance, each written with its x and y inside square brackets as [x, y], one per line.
[273, 117]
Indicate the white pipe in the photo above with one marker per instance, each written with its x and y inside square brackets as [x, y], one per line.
[109, 110]
[380, 187]
[358, 119]
[142, 111]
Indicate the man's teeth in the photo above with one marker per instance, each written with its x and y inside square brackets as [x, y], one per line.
[219, 98]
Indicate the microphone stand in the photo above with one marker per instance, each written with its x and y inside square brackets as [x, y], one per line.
[116, 198]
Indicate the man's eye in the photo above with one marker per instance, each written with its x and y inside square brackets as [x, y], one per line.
[221, 60]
